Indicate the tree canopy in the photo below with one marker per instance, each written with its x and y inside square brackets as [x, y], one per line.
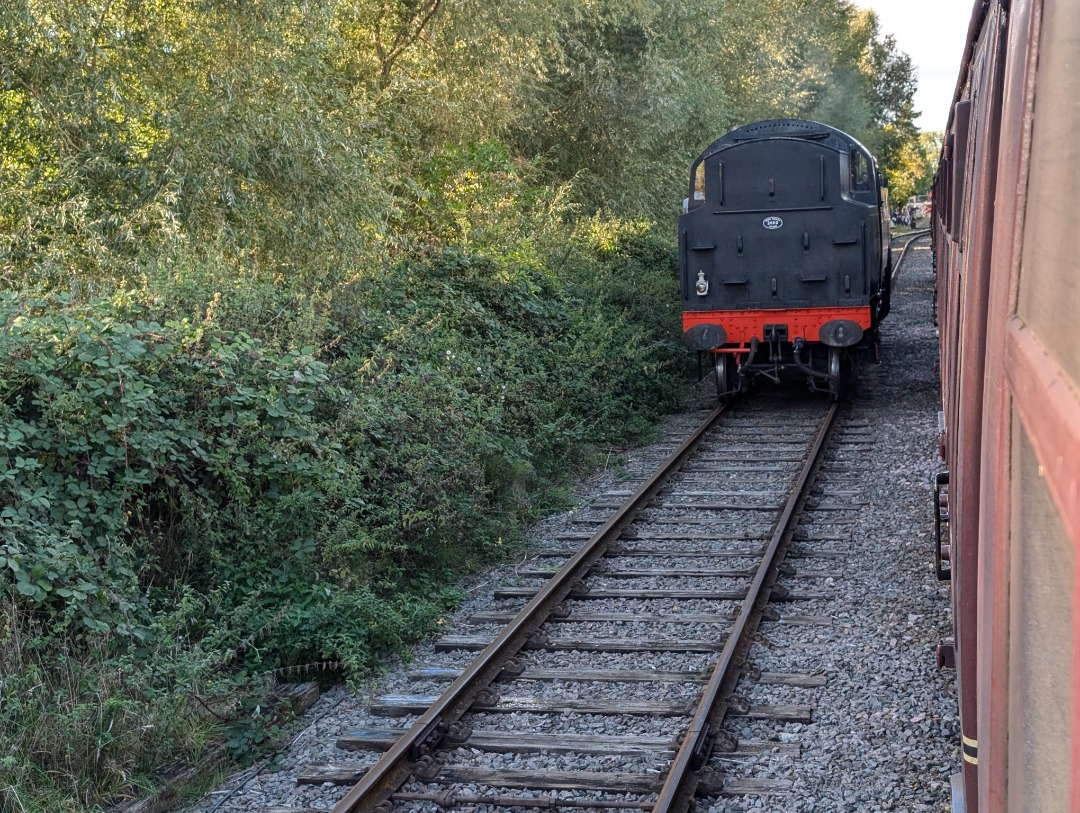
[291, 136]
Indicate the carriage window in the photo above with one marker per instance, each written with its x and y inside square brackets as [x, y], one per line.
[860, 172]
[1040, 675]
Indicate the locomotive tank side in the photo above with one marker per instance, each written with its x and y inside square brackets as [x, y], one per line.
[783, 253]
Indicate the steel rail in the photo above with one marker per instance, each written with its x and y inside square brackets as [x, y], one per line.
[913, 236]
[394, 767]
[681, 782]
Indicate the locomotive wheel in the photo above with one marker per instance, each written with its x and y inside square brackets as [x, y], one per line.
[727, 376]
[835, 369]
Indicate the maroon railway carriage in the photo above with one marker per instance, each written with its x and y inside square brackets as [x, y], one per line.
[1007, 249]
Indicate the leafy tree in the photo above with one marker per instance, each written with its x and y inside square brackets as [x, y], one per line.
[894, 90]
[912, 171]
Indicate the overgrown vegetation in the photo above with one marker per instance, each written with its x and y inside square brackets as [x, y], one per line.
[308, 308]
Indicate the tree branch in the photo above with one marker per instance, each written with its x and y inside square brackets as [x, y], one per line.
[406, 36]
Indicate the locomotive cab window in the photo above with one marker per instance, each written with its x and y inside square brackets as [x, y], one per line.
[860, 173]
[697, 188]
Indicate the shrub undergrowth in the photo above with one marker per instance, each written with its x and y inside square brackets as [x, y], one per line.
[193, 498]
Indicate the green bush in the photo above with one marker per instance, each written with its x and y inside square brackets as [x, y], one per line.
[195, 499]
[115, 425]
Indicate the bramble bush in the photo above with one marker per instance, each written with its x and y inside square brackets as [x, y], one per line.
[112, 422]
[189, 500]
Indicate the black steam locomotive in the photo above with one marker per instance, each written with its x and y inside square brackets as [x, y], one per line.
[784, 254]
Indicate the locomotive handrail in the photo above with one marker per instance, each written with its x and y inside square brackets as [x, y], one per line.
[773, 209]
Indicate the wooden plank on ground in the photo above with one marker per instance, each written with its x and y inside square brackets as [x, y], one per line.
[624, 549]
[687, 506]
[500, 617]
[645, 573]
[717, 506]
[756, 787]
[760, 532]
[772, 494]
[806, 620]
[817, 574]
[343, 773]
[804, 553]
[520, 742]
[759, 747]
[708, 595]
[475, 643]
[599, 782]
[382, 739]
[336, 773]
[782, 713]
[595, 675]
[398, 705]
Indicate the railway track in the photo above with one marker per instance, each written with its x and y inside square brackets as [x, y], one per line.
[837, 703]
[604, 678]
[909, 242]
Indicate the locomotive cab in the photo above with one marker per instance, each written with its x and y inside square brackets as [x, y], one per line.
[783, 253]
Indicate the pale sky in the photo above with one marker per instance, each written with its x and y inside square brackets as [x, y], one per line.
[932, 33]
